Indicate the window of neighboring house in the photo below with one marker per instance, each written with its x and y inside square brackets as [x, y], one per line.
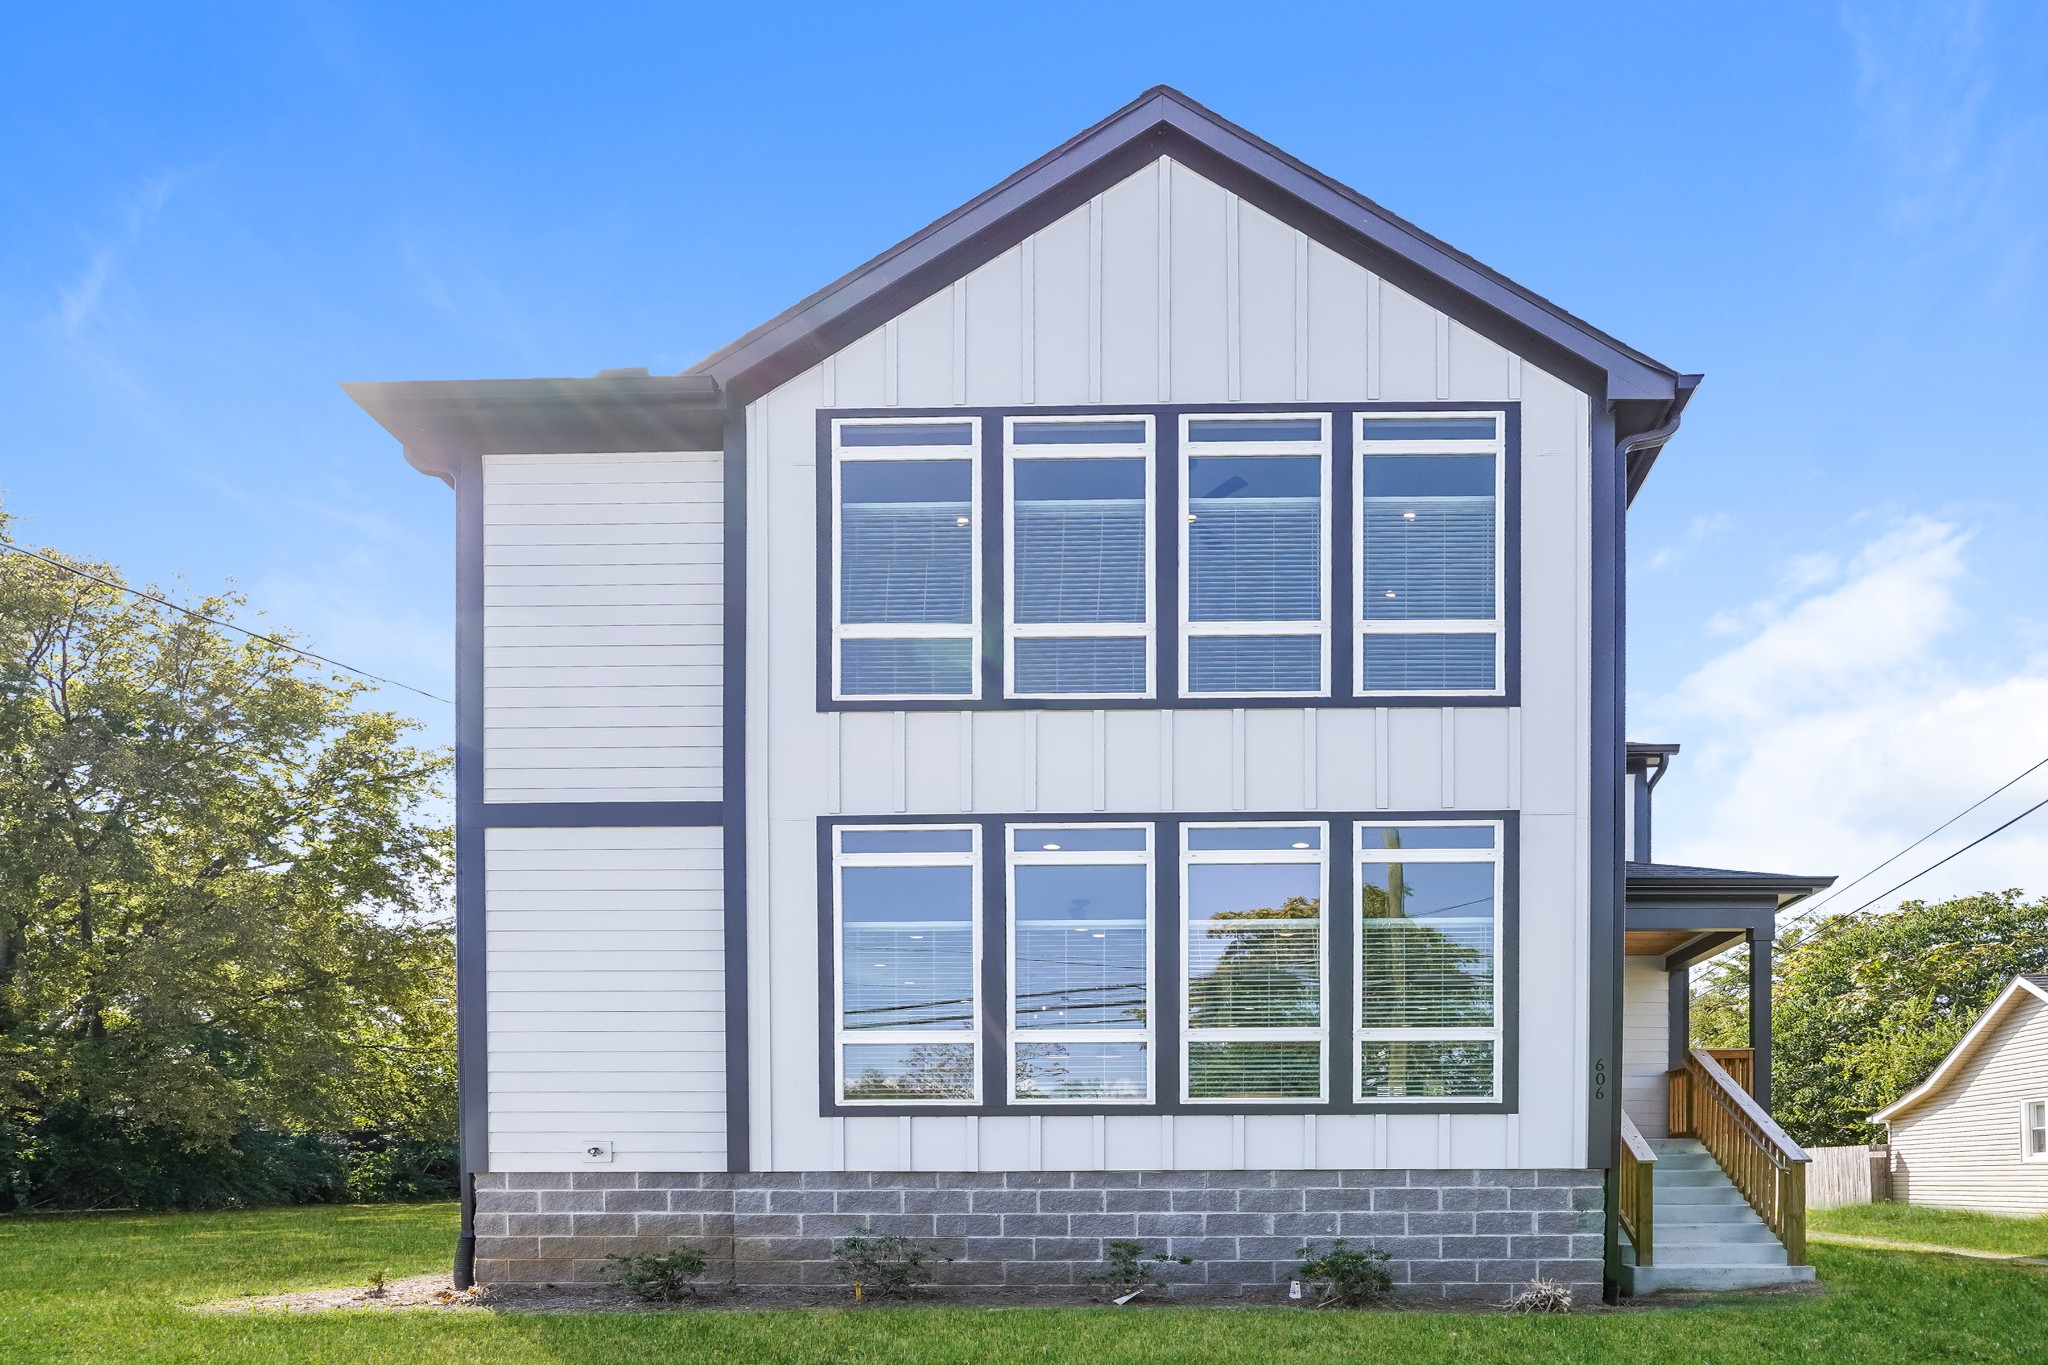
[1429, 1015]
[1079, 586]
[2034, 1130]
[1253, 961]
[909, 949]
[1255, 555]
[1428, 543]
[907, 580]
[1080, 963]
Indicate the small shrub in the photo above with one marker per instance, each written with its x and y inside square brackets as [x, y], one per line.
[1345, 1276]
[1542, 1296]
[380, 1281]
[667, 1278]
[886, 1267]
[1128, 1272]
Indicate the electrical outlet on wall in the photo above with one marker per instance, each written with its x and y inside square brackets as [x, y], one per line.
[597, 1150]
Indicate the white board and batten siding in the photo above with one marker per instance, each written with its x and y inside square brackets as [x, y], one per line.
[1960, 1148]
[1168, 289]
[1645, 1045]
[602, 682]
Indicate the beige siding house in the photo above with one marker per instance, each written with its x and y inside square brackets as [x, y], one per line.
[1975, 1136]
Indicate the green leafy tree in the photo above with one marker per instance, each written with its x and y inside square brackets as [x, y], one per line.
[221, 899]
[1864, 1009]
[1720, 1001]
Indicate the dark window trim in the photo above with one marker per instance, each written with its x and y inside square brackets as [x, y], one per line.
[1166, 559]
[1340, 1056]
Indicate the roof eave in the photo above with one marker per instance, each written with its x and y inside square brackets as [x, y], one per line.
[1964, 1048]
[1163, 121]
[440, 421]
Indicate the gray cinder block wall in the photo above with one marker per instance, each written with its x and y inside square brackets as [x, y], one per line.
[1474, 1234]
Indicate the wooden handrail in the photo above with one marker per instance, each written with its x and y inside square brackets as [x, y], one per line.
[1763, 1161]
[1738, 1062]
[1638, 1191]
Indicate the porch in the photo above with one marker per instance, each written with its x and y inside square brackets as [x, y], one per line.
[1712, 1190]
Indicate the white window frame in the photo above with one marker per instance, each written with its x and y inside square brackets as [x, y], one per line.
[1013, 630]
[1319, 628]
[1320, 1034]
[1497, 627]
[930, 630]
[1362, 1035]
[1147, 858]
[2028, 1108]
[841, 1035]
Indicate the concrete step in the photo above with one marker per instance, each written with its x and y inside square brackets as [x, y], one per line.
[1652, 1279]
[1680, 1231]
[1676, 1196]
[1738, 1213]
[1720, 1253]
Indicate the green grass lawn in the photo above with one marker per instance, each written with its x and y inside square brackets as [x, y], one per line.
[114, 1288]
[1937, 1227]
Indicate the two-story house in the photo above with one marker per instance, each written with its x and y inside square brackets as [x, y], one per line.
[1104, 722]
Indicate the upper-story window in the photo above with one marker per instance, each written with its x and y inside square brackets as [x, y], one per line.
[907, 584]
[1428, 553]
[1079, 587]
[1255, 555]
[1353, 555]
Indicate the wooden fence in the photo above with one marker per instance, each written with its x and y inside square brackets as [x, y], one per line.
[1848, 1175]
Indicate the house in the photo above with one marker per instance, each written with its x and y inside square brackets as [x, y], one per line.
[1103, 722]
[1975, 1135]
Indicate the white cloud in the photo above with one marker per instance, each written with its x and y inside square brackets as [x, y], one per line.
[1834, 731]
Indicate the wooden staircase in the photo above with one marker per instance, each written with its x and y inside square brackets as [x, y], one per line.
[1721, 1205]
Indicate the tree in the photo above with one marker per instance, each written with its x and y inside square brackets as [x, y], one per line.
[222, 904]
[1864, 1009]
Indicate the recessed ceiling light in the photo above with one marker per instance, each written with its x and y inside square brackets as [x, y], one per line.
[962, 521]
[1301, 845]
[1407, 516]
[1390, 592]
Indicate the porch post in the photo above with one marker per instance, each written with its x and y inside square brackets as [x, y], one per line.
[1760, 1014]
[1679, 1019]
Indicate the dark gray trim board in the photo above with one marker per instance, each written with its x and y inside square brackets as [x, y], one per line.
[1165, 122]
[472, 1042]
[993, 549]
[1754, 916]
[1678, 1018]
[599, 814]
[733, 716]
[1340, 1056]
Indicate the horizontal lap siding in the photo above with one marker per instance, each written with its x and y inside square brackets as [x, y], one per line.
[607, 1006]
[1961, 1149]
[1167, 289]
[1645, 1044]
[602, 627]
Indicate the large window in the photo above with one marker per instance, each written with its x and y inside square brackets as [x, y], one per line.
[1428, 553]
[909, 948]
[1081, 963]
[906, 585]
[1429, 900]
[1254, 554]
[1079, 587]
[1253, 949]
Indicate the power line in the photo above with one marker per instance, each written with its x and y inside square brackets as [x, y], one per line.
[1816, 905]
[1957, 854]
[225, 625]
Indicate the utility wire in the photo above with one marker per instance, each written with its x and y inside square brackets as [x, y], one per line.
[225, 625]
[1816, 905]
[1957, 854]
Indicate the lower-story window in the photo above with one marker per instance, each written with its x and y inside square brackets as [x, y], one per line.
[1252, 900]
[1429, 899]
[1081, 963]
[909, 949]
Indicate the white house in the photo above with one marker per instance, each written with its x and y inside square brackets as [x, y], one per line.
[1103, 722]
[1975, 1135]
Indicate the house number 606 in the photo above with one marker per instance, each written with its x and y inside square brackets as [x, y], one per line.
[1600, 1079]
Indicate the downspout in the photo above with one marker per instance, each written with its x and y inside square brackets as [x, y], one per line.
[1611, 1229]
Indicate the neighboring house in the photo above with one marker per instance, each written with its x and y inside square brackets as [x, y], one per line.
[1975, 1136]
[1103, 722]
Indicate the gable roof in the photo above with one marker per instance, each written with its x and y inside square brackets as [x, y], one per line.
[1164, 122]
[2020, 988]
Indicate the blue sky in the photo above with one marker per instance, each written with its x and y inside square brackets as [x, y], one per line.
[209, 215]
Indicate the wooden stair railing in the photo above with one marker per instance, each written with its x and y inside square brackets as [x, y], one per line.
[1638, 1191]
[1739, 1063]
[1762, 1161]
